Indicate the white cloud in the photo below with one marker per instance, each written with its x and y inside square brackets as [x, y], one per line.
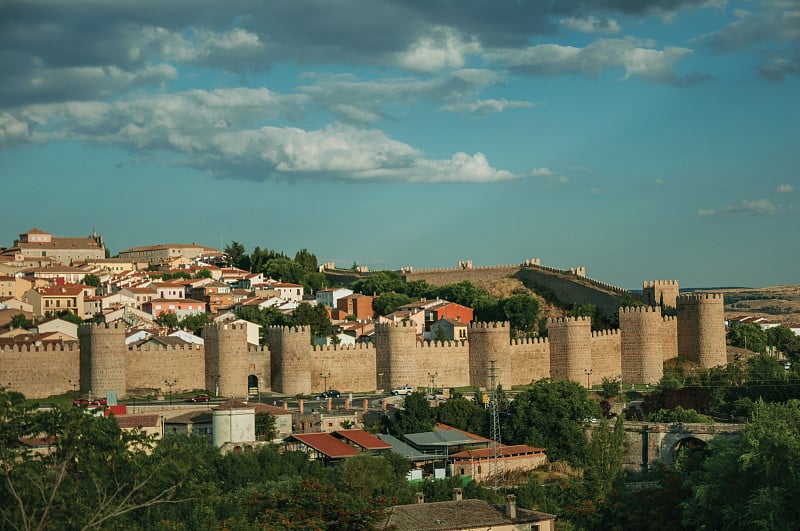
[485, 107]
[541, 172]
[12, 130]
[222, 131]
[441, 48]
[785, 189]
[757, 207]
[591, 24]
[638, 57]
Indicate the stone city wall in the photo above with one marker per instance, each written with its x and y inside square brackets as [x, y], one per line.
[151, 367]
[40, 371]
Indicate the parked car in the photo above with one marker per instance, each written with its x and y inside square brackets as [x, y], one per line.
[405, 390]
[81, 402]
[200, 398]
[330, 393]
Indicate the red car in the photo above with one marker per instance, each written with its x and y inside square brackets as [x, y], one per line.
[200, 398]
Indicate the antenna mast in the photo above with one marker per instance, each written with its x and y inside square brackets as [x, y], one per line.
[494, 433]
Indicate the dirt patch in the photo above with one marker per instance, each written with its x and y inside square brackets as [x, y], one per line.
[780, 304]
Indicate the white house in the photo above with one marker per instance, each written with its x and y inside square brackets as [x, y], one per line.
[330, 296]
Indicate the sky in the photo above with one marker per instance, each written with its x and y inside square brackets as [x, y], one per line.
[643, 139]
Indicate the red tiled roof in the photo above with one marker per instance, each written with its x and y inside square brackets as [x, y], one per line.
[478, 438]
[137, 421]
[64, 289]
[326, 444]
[363, 439]
[502, 451]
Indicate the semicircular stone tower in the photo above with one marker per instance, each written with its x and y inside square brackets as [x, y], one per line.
[396, 348]
[102, 358]
[701, 329]
[226, 358]
[642, 345]
[487, 342]
[570, 348]
[289, 351]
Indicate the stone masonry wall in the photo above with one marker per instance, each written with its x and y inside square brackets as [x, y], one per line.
[570, 348]
[701, 329]
[571, 289]
[351, 368]
[39, 372]
[606, 361]
[149, 368]
[530, 360]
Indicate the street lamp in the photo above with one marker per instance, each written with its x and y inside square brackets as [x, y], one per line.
[588, 373]
[325, 379]
[170, 385]
[432, 376]
[74, 385]
[380, 381]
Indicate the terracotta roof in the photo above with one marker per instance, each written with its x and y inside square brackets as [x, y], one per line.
[272, 410]
[363, 439]
[463, 514]
[287, 285]
[502, 451]
[442, 427]
[192, 417]
[62, 243]
[64, 289]
[36, 231]
[167, 246]
[137, 421]
[325, 444]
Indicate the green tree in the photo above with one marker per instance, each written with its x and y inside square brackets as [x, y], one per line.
[749, 336]
[195, 321]
[463, 414]
[416, 415]
[522, 311]
[265, 427]
[203, 273]
[440, 335]
[235, 255]
[314, 316]
[379, 283]
[389, 302]
[167, 319]
[629, 300]
[611, 387]
[91, 280]
[66, 315]
[751, 481]
[20, 321]
[307, 260]
[550, 415]
[606, 451]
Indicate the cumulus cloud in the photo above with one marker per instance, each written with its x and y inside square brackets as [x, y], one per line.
[772, 29]
[548, 176]
[485, 107]
[223, 132]
[638, 57]
[757, 207]
[591, 24]
[361, 101]
[541, 172]
[440, 49]
[784, 189]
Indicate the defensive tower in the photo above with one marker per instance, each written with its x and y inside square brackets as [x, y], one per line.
[641, 344]
[226, 358]
[102, 358]
[701, 329]
[395, 346]
[490, 341]
[660, 292]
[290, 350]
[570, 348]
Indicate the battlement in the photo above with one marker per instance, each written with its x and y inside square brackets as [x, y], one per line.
[164, 348]
[640, 309]
[387, 327]
[258, 348]
[530, 341]
[216, 327]
[66, 346]
[101, 328]
[605, 333]
[442, 344]
[659, 283]
[461, 269]
[489, 325]
[694, 298]
[289, 329]
[358, 346]
[669, 318]
[582, 320]
[606, 285]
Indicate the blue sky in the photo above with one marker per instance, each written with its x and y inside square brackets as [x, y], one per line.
[647, 139]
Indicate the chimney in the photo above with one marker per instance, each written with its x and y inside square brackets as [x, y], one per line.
[300, 404]
[511, 507]
[457, 494]
[420, 498]
[347, 404]
[330, 404]
[366, 405]
[285, 405]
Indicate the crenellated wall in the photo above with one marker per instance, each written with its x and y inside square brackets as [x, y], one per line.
[149, 367]
[658, 292]
[291, 365]
[606, 359]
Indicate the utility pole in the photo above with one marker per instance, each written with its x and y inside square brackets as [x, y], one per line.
[494, 433]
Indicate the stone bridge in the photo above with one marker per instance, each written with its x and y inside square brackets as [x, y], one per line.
[648, 443]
